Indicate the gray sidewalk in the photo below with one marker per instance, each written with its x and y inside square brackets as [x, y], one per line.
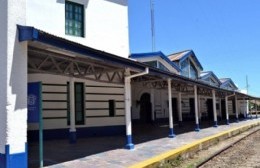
[119, 158]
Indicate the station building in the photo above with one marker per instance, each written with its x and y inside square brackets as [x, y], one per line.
[79, 51]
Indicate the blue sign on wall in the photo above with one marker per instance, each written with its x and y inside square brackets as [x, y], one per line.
[34, 102]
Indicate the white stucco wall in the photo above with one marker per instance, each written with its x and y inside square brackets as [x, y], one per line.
[13, 116]
[96, 99]
[161, 106]
[3, 73]
[106, 22]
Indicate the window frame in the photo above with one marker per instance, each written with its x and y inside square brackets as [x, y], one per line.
[152, 63]
[82, 100]
[82, 122]
[193, 67]
[74, 5]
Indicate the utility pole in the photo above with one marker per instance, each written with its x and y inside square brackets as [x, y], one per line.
[152, 24]
[247, 86]
[248, 101]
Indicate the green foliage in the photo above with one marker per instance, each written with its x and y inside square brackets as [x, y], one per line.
[171, 163]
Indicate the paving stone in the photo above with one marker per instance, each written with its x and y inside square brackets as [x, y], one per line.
[117, 158]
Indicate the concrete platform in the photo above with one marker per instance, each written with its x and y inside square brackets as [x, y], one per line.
[150, 152]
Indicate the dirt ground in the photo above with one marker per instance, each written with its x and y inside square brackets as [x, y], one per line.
[245, 154]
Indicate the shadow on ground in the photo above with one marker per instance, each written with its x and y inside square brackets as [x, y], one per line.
[58, 151]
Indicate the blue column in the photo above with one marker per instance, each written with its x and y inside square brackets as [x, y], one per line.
[14, 160]
[129, 143]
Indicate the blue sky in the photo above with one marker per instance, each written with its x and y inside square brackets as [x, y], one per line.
[224, 34]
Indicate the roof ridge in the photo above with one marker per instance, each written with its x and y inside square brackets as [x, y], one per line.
[179, 52]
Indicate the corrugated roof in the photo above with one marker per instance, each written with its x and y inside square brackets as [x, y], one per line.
[204, 73]
[207, 74]
[156, 54]
[225, 81]
[181, 56]
[177, 56]
[27, 33]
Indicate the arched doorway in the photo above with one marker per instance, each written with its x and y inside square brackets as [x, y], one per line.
[145, 108]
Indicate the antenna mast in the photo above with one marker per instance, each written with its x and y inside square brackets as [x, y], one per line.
[152, 25]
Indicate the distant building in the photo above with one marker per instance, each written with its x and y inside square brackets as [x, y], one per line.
[188, 63]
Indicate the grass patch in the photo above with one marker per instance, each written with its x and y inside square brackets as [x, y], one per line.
[171, 163]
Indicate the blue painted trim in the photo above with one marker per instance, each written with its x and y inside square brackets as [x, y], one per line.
[237, 120]
[171, 133]
[73, 137]
[156, 54]
[29, 33]
[192, 54]
[197, 128]
[215, 124]
[228, 80]
[16, 160]
[81, 132]
[2, 160]
[129, 143]
[208, 75]
[227, 122]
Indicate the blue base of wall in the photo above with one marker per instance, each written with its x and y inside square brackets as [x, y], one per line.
[130, 146]
[73, 137]
[215, 124]
[17, 160]
[81, 132]
[197, 128]
[227, 122]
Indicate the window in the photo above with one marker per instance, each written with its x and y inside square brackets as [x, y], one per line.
[68, 103]
[162, 67]
[79, 103]
[188, 69]
[74, 16]
[152, 63]
[185, 68]
[112, 108]
[212, 82]
[193, 72]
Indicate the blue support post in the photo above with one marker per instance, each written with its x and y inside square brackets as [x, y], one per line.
[197, 128]
[171, 133]
[227, 122]
[129, 143]
[215, 124]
